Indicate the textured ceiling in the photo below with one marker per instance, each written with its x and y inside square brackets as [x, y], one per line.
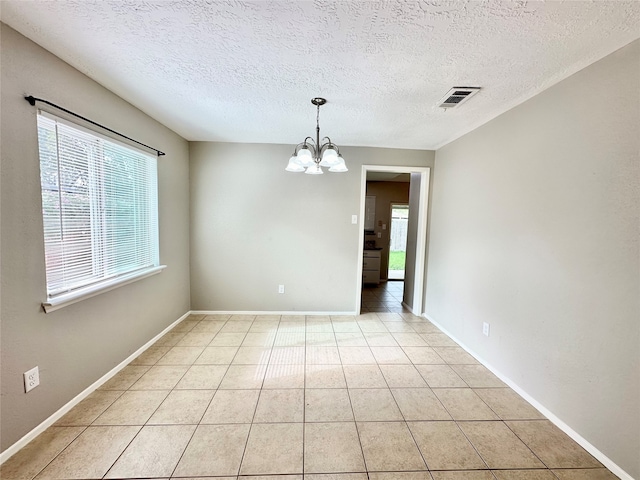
[245, 71]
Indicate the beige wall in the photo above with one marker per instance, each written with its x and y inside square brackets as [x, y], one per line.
[534, 229]
[76, 345]
[386, 193]
[255, 226]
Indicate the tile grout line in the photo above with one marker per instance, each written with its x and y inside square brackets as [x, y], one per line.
[456, 421]
[404, 419]
[448, 412]
[208, 404]
[304, 395]
[530, 449]
[156, 409]
[471, 443]
[61, 451]
[353, 413]
[174, 389]
[453, 418]
[244, 450]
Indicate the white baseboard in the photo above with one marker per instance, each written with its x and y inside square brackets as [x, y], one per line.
[409, 308]
[580, 440]
[13, 449]
[262, 312]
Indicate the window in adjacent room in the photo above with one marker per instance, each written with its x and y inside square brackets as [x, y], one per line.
[99, 208]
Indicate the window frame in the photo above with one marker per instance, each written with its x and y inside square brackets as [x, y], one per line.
[56, 301]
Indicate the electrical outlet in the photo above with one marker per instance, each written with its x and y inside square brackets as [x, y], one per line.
[485, 328]
[379, 234]
[31, 379]
[280, 288]
[354, 219]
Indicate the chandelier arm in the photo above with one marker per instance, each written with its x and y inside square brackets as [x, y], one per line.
[308, 142]
[314, 147]
[326, 145]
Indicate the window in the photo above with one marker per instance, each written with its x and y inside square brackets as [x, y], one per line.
[99, 209]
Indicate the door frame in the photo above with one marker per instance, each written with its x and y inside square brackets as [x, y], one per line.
[421, 240]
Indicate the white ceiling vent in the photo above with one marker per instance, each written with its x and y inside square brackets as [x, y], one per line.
[457, 95]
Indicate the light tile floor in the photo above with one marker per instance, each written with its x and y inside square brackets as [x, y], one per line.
[379, 396]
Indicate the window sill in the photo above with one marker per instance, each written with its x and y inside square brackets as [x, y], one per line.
[70, 298]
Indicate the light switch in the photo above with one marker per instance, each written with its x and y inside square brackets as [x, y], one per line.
[379, 234]
[384, 226]
[354, 219]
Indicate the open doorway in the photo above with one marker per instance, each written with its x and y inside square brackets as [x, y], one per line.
[398, 241]
[372, 238]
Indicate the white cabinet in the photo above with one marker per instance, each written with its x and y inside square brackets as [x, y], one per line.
[369, 213]
[371, 266]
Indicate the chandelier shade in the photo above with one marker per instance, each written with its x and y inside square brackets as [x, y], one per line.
[340, 166]
[329, 157]
[304, 156]
[310, 156]
[294, 166]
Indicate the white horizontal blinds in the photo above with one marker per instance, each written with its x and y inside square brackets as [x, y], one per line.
[99, 203]
[128, 181]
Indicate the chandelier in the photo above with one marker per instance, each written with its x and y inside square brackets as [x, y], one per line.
[309, 156]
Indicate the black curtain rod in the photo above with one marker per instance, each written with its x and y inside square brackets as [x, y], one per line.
[33, 100]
